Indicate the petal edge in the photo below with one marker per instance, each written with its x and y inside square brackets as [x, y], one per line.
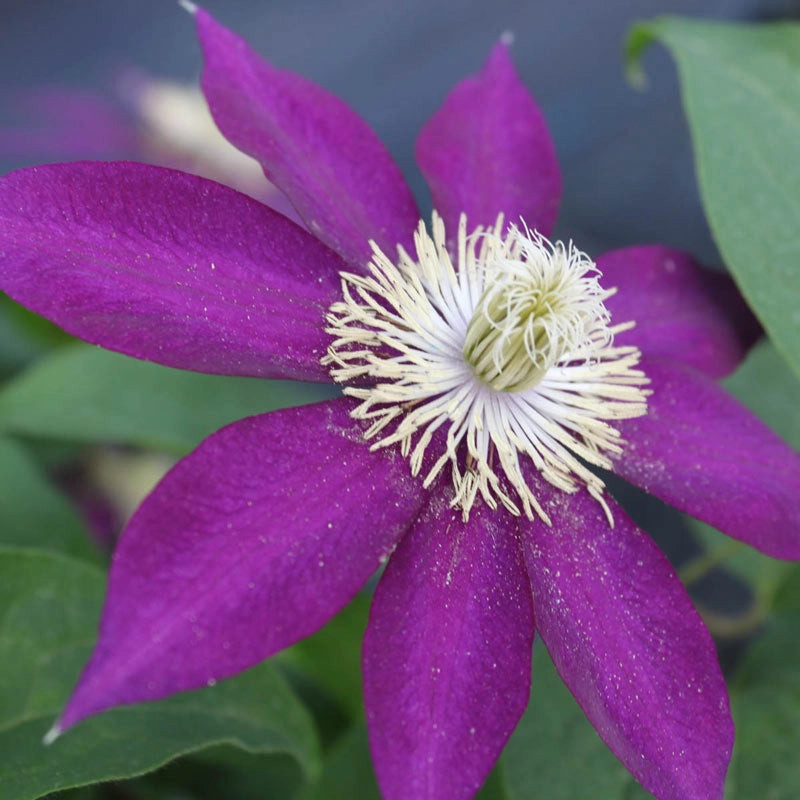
[702, 451]
[167, 267]
[630, 646]
[250, 543]
[487, 150]
[447, 654]
[682, 311]
[313, 146]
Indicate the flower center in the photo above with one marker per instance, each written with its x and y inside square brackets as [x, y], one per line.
[497, 354]
[540, 302]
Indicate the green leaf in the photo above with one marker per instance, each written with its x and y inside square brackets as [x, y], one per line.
[741, 91]
[766, 704]
[84, 793]
[15, 349]
[332, 656]
[83, 393]
[24, 335]
[495, 787]
[769, 389]
[348, 773]
[220, 772]
[32, 512]
[49, 605]
[555, 752]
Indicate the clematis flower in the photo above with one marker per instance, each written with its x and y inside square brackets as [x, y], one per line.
[487, 371]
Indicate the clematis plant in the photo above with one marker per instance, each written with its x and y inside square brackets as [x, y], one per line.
[487, 369]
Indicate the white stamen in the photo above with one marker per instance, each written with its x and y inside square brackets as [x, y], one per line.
[504, 356]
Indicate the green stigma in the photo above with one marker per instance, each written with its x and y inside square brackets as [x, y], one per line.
[540, 305]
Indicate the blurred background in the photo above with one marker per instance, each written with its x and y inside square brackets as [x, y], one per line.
[625, 153]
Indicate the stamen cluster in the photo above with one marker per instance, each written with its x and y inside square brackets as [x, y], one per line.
[501, 352]
[540, 300]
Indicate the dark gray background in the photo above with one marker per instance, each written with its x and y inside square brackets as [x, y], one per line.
[625, 154]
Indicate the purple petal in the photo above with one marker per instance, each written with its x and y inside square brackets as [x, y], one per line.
[630, 646]
[487, 150]
[700, 450]
[682, 311]
[250, 543]
[314, 147]
[447, 654]
[167, 267]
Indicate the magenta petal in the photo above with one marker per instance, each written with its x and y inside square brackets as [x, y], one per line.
[167, 267]
[250, 543]
[682, 311]
[487, 150]
[447, 654]
[314, 147]
[630, 646]
[700, 450]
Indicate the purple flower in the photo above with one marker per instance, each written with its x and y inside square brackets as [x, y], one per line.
[486, 367]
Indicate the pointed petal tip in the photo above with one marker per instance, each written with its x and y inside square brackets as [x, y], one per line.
[189, 6]
[54, 733]
[170, 311]
[338, 175]
[205, 643]
[487, 149]
[609, 604]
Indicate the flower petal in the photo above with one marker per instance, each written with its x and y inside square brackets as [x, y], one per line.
[167, 267]
[682, 311]
[250, 543]
[700, 450]
[630, 646]
[487, 150]
[447, 654]
[314, 147]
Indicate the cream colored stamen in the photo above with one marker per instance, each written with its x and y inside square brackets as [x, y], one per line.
[504, 356]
